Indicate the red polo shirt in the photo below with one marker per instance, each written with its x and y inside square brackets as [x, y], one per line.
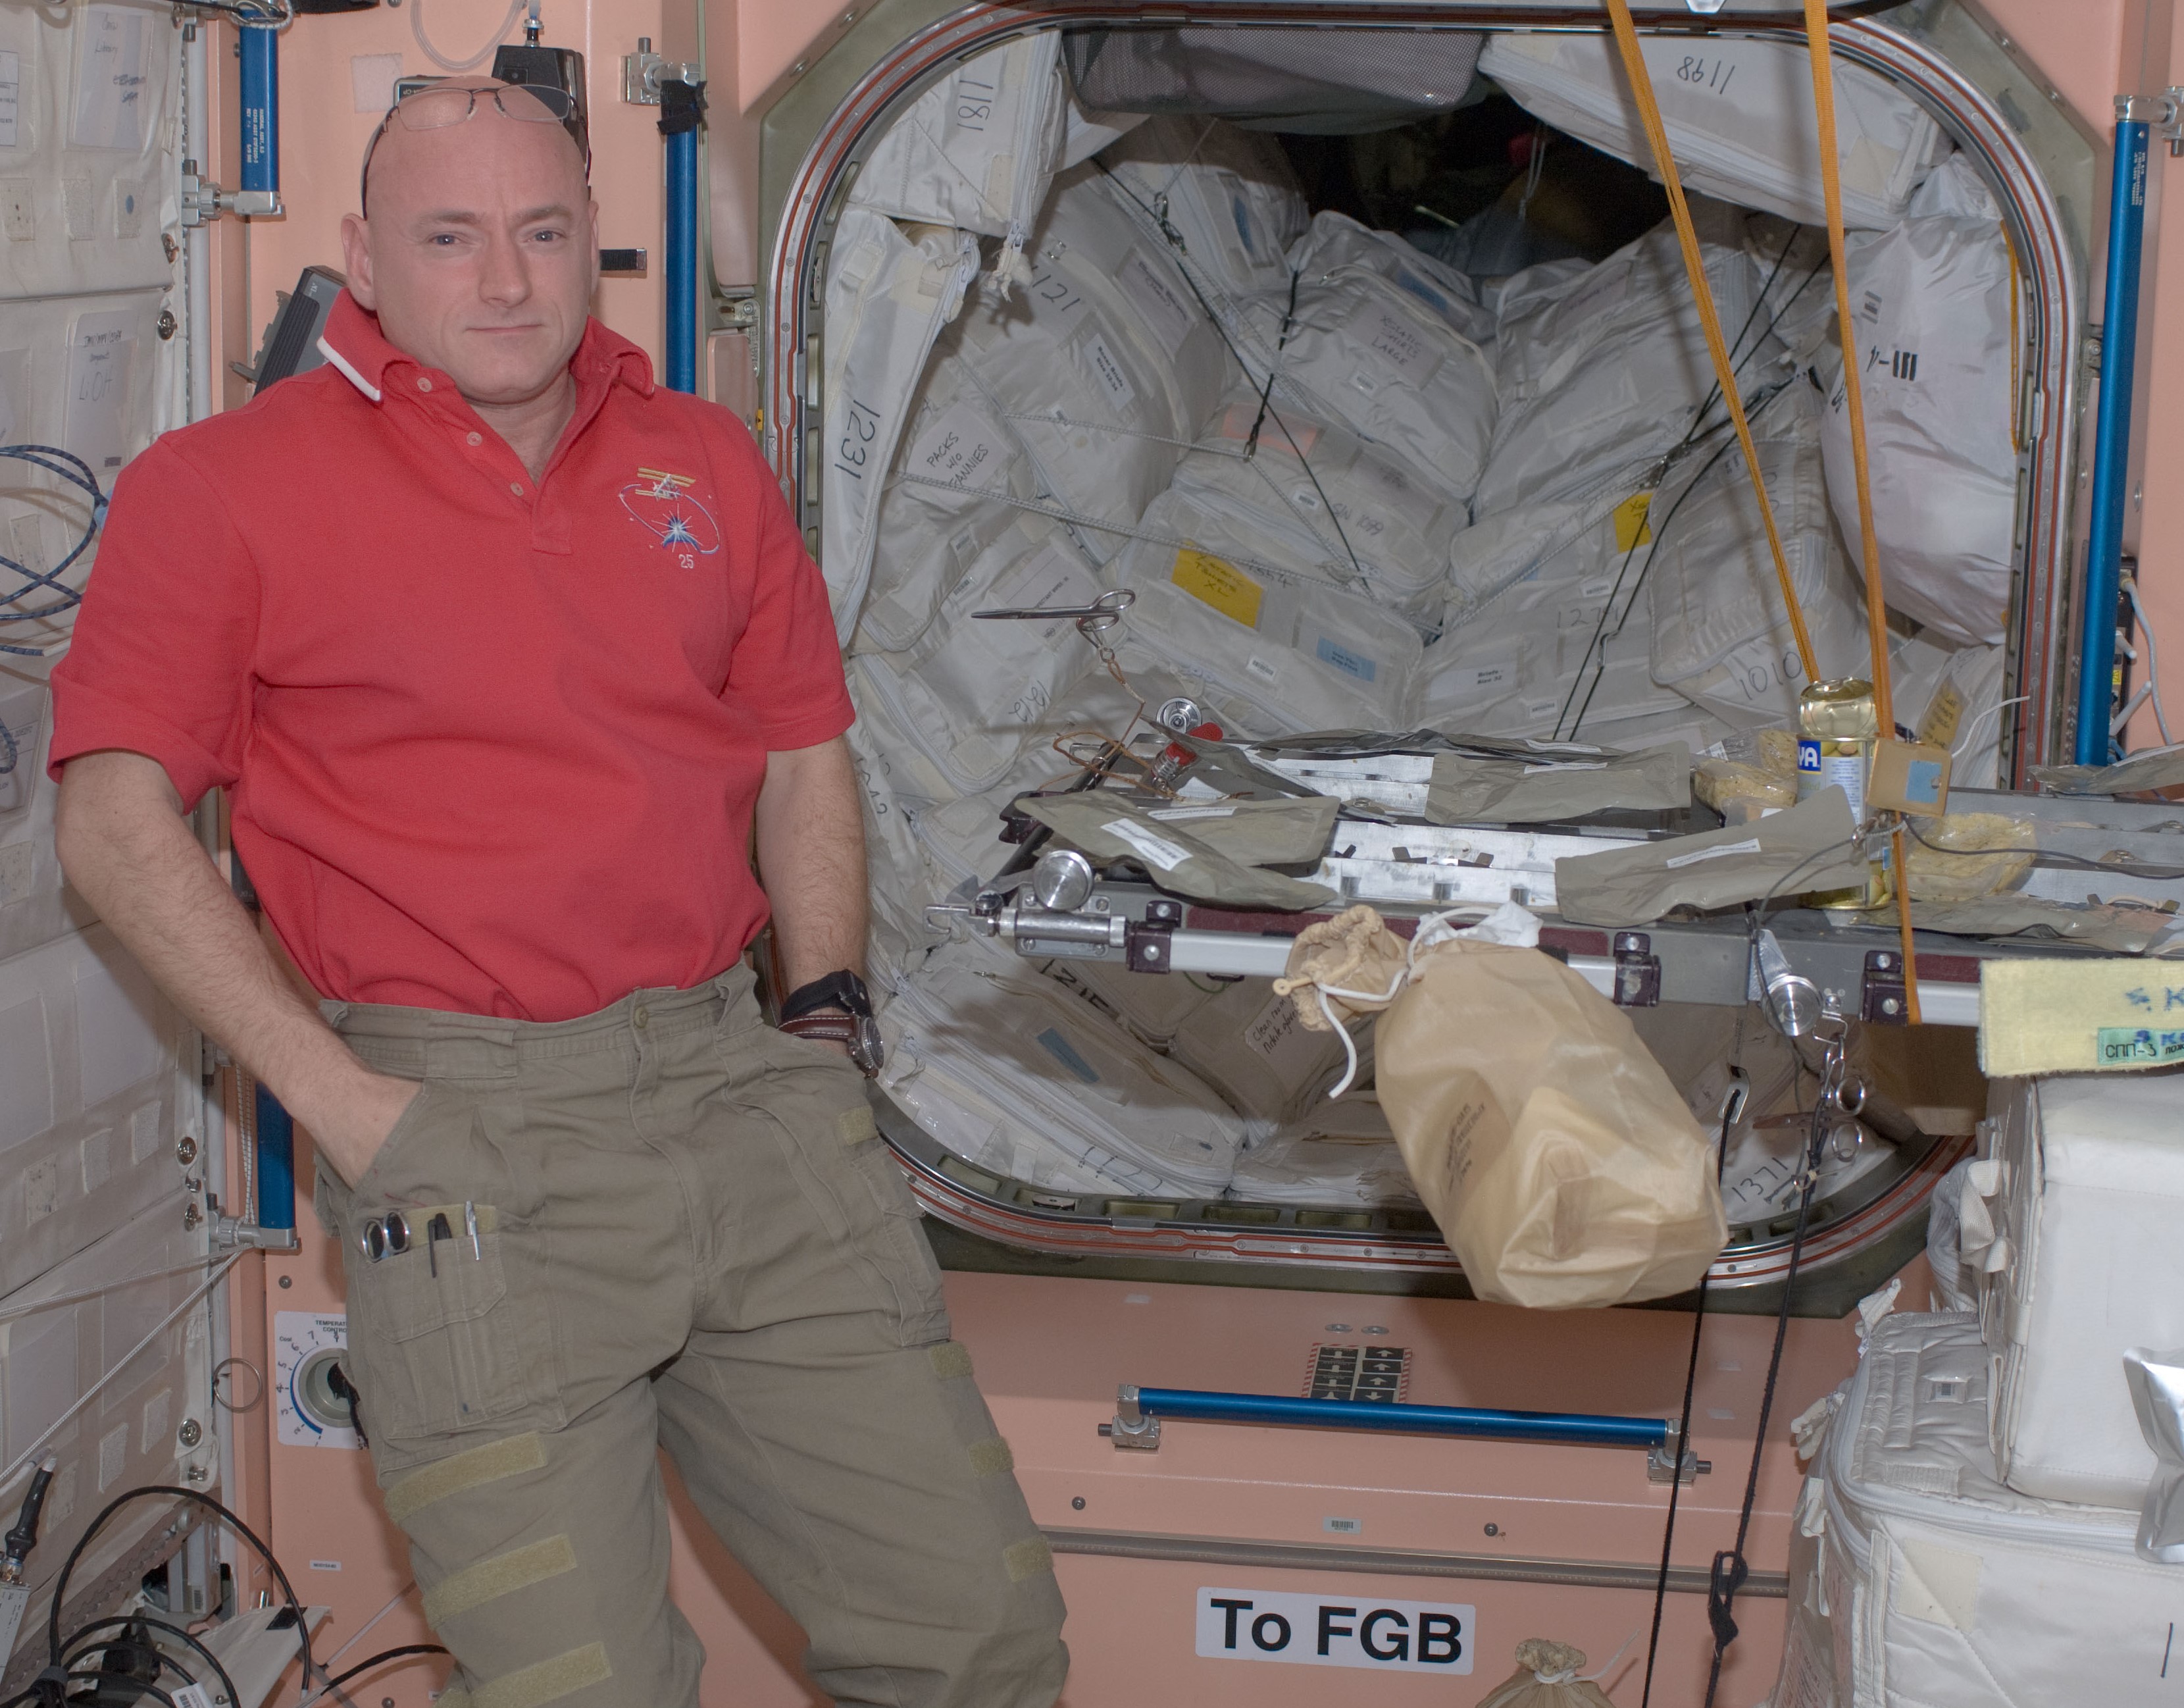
[494, 745]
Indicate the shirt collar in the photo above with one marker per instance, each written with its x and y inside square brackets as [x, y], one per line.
[355, 346]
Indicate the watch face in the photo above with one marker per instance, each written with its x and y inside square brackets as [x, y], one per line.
[868, 1052]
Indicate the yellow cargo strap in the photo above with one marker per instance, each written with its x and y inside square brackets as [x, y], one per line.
[1657, 134]
[1876, 606]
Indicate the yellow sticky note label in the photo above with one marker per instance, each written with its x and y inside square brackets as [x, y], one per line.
[1632, 526]
[1220, 584]
[1944, 712]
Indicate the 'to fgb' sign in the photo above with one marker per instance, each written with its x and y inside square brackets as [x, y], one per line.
[1341, 1630]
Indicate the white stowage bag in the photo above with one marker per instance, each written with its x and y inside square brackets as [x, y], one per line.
[975, 1019]
[961, 478]
[1919, 1580]
[971, 692]
[1740, 118]
[1228, 196]
[1386, 341]
[1721, 633]
[889, 294]
[1934, 317]
[1608, 371]
[1271, 649]
[1102, 367]
[1509, 667]
[1340, 502]
[979, 148]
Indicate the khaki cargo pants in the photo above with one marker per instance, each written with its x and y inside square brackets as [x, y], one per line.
[689, 1235]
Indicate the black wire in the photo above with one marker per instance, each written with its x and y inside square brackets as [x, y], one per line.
[243, 1530]
[1596, 648]
[381, 1658]
[129, 1678]
[2056, 856]
[1729, 1114]
[1729, 1568]
[234, 1696]
[1693, 436]
[1175, 240]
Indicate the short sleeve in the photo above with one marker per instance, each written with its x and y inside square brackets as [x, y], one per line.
[787, 667]
[159, 662]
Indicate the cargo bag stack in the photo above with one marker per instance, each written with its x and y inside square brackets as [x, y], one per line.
[1969, 1536]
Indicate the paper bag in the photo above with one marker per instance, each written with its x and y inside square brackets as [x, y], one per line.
[1561, 1164]
[1547, 1678]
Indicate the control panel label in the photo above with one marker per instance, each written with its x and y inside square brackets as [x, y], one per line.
[1337, 1630]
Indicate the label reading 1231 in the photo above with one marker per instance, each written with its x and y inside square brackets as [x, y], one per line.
[1340, 1630]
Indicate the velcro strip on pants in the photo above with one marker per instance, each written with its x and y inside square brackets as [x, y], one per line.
[548, 1681]
[464, 1470]
[992, 1458]
[501, 1574]
[1027, 1558]
[853, 1126]
[951, 1358]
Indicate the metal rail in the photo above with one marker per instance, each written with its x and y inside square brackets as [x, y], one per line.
[1140, 1410]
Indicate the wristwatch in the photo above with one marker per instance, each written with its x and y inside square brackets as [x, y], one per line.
[805, 1014]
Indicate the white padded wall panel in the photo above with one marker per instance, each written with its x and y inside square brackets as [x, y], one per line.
[88, 1127]
[129, 1433]
[86, 182]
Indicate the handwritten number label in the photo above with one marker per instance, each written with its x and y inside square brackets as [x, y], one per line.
[853, 450]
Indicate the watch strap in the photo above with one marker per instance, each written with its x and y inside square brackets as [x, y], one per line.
[841, 989]
[847, 1030]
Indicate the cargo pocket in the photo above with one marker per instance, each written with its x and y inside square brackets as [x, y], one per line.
[818, 1099]
[448, 1337]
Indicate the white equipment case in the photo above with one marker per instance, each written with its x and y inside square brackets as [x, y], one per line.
[1918, 1580]
[2071, 1220]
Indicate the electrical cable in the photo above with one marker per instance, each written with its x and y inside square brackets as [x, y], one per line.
[334, 1683]
[1159, 217]
[67, 465]
[132, 1680]
[1657, 137]
[2153, 660]
[176, 1632]
[110, 1644]
[273, 1564]
[1730, 1570]
[1732, 1107]
[1695, 434]
[2056, 856]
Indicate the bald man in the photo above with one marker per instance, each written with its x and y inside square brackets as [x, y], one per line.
[507, 659]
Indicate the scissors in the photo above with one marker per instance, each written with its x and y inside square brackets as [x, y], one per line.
[1102, 613]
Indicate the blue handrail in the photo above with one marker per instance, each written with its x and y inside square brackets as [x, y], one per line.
[2112, 440]
[1568, 1429]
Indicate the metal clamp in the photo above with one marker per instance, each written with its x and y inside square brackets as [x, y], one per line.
[1637, 971]
[234, 1233]
[2163, 113]
[1663, 1464]
[1132, 1428]
[643, 72]
[200, 201]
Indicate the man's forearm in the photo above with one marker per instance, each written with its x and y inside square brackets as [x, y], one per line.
[128, 851]
[810, 835]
